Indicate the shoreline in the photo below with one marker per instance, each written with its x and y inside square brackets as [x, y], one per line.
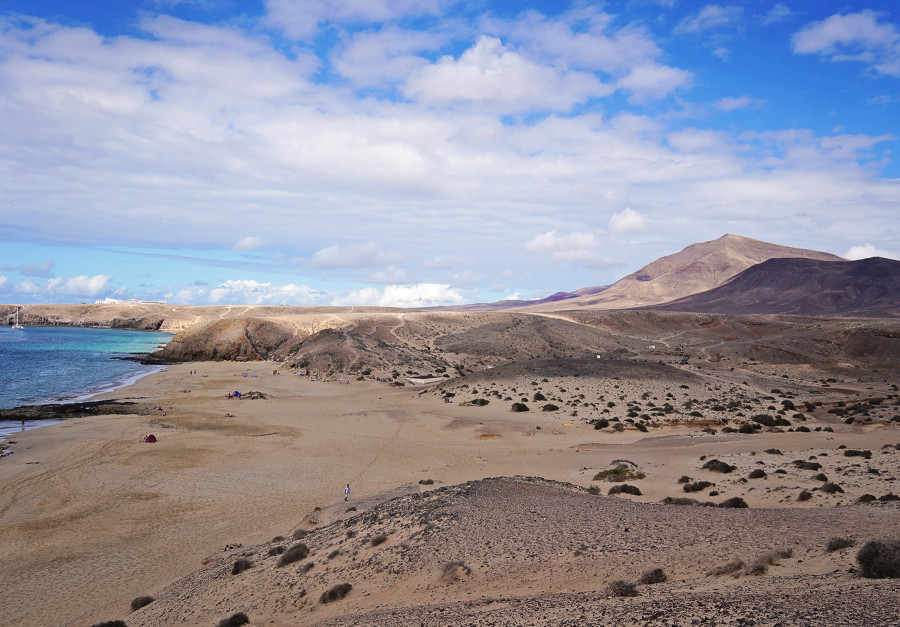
[92, 517]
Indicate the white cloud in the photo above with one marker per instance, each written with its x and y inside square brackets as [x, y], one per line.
[300, 19]
[627, 220]
[733, 104]
[44, 270]
[711, 16]
[514, 296]
[421, 295]
[777, 13]
[575, 248]
[384, 57]
[3, 281]
[248, 244]
[868, 250]
[357, 256]
[391, 274]
[654, 81]
[491, 74]
[858, 37]
[81, 286]
[251, 292]
[444, 262]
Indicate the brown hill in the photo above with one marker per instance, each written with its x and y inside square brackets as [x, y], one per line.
[697, 268]
[807, 287]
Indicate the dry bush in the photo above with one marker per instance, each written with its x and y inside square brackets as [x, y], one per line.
[820, 477]
[235, 620]
[757, 473]
[831, 488]
[619, 473]
[379, 539]
[300, 534]
[619, 588]
[735, 502]
[275, 550]
[293, 554]
[697, 486]
[880, 559]
[716, 465]
[240, 565]
[655, 575]
[624, 488]
[111, 623]
[761, 564]
[838, 543]
[866, 498]
[726, 569]
[679, 500]
[335, 593]
[140, 602]
[804, 495]
[454, 571]
[802, 464]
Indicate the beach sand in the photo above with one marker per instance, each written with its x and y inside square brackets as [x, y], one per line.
[91, 517]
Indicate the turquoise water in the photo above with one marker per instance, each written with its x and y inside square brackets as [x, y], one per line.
[52, 364]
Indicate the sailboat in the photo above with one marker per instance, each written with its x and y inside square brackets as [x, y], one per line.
[17, 325]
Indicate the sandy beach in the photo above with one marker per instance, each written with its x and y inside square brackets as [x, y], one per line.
[91, 517]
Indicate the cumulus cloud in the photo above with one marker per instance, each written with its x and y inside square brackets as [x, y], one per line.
[861, 37]
[384, 57]
[776, 14]
[627, 220]
[491, 74]
[249, 291]
[391, 274]
[248, 244]
[356, 256]
[654, 81]
[81, 286]
[868, 250]
[710, 17]
[420, 295]
[300, 19]
[576, 248]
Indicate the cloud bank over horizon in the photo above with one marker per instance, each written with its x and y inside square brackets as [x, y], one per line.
[425, 152]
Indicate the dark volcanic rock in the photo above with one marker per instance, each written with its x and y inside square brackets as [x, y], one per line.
[245, 339]
[806, 287]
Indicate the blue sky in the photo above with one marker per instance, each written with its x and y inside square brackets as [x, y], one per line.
[425, 152]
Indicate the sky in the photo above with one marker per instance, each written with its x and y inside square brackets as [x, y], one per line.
[428, 152]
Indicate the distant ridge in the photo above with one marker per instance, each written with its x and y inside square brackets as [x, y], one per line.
[806, 287]
[502, 305]
[695, 269]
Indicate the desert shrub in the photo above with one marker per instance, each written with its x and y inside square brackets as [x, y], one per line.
[773, 451]
[335, 593]
[850, 452]
[655, 575]
[725, 569]
[381, 538]
[235, 620]
[838, 543]
[624, 487]
[539, 397]
[641, 427]
[426, 481]
[820, 477]
[735, 502]
[804, 495]
[619, 473]
[716, 465]
[802, 429]
[761, 564]
[866, 498]
[746, 429]
[758, 473]
[802, 464]
[550, 407]
[880, 559]
[697, 486]
[517, 407]
[831, 488]
[601, 423]
[334, 554]
[596, 490]
[111, 623]
[240, 565]
[454, 571]
[140, 602]
[300, 533]
[479, 402]
[275, 550]
[294, 554]
[679, 500]
[277, 538]
[684, 479]
[884, 498]
[619, 588]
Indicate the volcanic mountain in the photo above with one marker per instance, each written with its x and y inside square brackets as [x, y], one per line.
[697, 268]
[806, 287]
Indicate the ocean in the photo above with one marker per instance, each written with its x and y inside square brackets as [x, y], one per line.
[55, 364]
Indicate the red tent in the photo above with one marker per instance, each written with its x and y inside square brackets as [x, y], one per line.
[150, 438]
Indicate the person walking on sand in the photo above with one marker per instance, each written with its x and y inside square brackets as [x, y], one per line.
[347, 493]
